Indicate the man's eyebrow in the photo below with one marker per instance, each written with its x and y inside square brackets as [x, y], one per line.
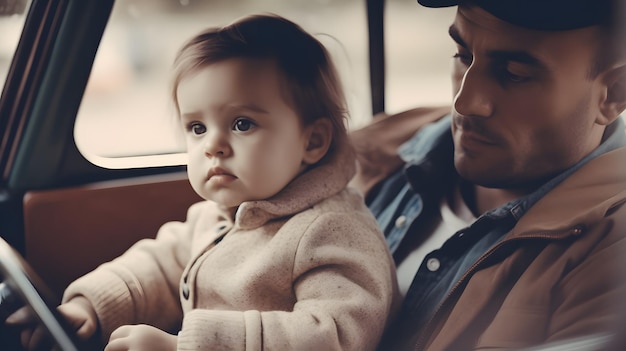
[501, 55]
[516, 56]
[456, 36]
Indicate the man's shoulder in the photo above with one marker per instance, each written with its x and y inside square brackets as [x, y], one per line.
[376, 144]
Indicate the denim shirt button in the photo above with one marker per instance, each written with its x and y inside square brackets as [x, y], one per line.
[400, 221]
[433, 264]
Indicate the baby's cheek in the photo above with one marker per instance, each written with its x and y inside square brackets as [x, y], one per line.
[196, 180]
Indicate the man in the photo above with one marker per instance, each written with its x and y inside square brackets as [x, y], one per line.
[506, 217]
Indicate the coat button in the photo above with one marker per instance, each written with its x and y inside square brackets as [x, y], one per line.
[400, 221]
[433, 264]
[186, 291]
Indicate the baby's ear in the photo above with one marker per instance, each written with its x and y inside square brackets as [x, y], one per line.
[320, 136]
[614, 102]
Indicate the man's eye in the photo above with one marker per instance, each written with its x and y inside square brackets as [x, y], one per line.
[515, 72]
[243, 125]
[463, 58]
[197, 128]
[515, 77]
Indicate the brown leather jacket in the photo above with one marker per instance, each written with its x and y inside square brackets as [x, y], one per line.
[559, 274]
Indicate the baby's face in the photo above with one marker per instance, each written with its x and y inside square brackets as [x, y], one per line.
[244, 142]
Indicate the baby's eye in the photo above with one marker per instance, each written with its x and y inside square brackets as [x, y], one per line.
[197, 128]
[243, 125]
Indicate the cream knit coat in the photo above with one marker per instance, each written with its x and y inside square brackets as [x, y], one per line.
[305, 270]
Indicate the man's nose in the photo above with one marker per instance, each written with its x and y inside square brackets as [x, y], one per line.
[474, 96]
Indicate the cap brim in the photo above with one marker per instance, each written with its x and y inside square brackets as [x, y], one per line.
[554, 15]
[438, 3]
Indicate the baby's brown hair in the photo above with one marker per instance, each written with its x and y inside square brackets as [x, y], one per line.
[310, 83]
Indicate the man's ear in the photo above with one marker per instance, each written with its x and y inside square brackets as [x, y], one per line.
[614, 102]
[320, 136]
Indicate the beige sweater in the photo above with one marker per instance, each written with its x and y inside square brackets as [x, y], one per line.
[305, 270]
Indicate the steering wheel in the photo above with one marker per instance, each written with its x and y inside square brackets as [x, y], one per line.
[22, 286]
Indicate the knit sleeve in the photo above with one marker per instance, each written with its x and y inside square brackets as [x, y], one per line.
[141, 286]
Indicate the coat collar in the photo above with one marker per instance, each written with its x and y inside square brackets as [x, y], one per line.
[584, 197]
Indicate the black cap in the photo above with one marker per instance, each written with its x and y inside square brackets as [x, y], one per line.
[545, 14]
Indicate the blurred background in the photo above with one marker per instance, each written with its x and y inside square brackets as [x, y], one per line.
[126, 118]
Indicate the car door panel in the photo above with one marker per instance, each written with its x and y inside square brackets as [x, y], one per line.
[69, 231]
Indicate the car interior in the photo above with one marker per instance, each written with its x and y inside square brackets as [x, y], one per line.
[81, 180]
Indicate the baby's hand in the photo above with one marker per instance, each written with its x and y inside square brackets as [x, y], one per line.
[78, 312]
[81, 316]
[141, 337]
[33, 335]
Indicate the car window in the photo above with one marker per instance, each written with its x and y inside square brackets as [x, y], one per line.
[12, 16]
[126, 119]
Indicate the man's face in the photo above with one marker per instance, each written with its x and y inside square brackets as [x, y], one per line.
[525, 107]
